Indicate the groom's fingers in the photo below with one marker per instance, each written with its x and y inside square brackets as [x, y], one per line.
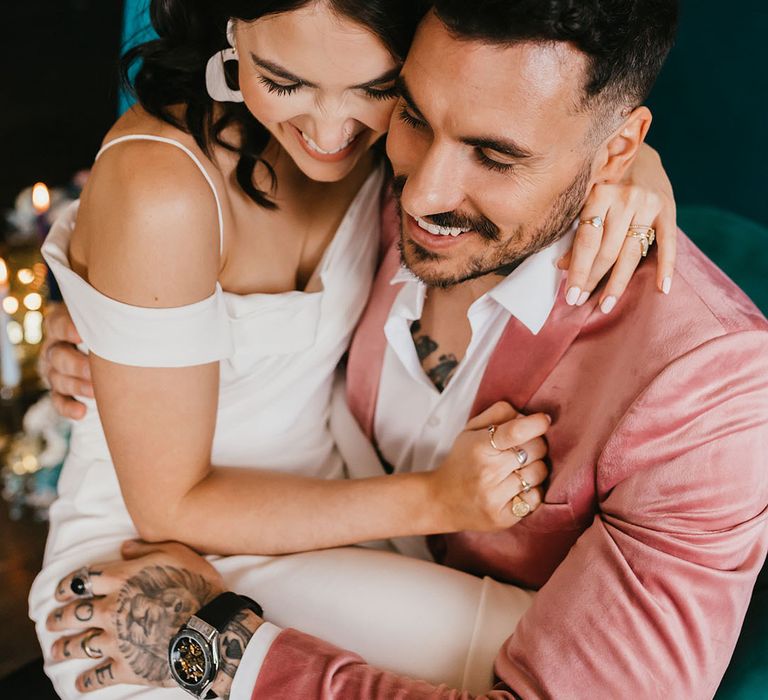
[100, 583]
[74, 647]
[107, 673]
[79, 614]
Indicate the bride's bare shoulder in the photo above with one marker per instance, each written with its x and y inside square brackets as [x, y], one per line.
[145, 205]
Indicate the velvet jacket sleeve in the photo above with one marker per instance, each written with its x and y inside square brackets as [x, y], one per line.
[650, 600]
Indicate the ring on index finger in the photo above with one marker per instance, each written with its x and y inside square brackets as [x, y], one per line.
[491, 434]
[81, 584]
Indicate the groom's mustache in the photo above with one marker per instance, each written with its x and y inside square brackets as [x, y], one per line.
[484, 226]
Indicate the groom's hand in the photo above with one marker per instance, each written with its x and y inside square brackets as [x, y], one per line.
[63, 367]
[136, 607]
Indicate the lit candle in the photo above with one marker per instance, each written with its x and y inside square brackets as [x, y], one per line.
[10, 369]
[41, 201]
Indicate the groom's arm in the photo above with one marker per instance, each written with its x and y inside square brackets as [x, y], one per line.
[650, 600]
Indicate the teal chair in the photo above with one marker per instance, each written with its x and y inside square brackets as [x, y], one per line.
[740, 247]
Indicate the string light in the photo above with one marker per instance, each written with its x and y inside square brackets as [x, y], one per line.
[33, 301]
[26, 276]
[10, 305]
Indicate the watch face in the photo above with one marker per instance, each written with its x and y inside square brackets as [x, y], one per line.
[190, 659]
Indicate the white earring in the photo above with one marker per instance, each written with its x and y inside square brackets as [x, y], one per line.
[215, 75]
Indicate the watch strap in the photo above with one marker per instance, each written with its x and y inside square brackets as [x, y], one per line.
[220, 611]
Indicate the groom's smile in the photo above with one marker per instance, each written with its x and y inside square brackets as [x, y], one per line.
[491, 150]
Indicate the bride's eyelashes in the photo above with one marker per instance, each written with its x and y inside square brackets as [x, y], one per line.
[284, 90]
[278, 88]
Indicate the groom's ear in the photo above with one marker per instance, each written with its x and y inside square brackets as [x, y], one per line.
[619, 150]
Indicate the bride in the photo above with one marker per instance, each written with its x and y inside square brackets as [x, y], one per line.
[215, 269]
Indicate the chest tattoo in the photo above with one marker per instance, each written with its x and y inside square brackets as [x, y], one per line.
[439, 374]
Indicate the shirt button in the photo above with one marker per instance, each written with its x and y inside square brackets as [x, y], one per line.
[433, 422]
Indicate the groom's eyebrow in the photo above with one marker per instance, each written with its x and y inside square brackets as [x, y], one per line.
[492, 143]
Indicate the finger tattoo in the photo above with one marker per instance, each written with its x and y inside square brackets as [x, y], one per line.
[84, 611]
[103, 671]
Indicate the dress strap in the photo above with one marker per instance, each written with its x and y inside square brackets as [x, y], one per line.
[195, 160]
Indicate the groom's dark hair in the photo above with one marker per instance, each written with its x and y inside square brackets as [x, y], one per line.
[626, 41]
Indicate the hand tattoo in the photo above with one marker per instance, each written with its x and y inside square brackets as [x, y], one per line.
[233, 643]
[84, 611]
[152, 606]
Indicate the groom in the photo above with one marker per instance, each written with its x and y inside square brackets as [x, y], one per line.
[653, 529]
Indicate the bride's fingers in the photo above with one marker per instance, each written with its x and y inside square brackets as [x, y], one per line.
[586, 246]
[500, 412]
[617, 224]
[78, 646]
[666, 239]
[531, 476]
[534, 450]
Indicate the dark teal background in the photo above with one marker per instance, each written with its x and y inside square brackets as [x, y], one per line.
[711, 108]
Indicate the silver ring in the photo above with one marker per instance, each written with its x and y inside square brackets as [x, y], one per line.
[491, 433]
[522, 456]
[81, 584]
[90, 652]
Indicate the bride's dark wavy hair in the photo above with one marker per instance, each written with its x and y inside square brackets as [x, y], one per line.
[172, 67]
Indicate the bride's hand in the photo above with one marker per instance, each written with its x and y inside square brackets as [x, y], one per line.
[480, 487]
[644, 198]
[62, 365]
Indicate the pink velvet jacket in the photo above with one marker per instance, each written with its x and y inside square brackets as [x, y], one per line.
[653, 529]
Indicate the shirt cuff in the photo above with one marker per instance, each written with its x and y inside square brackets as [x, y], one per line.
[250, 665]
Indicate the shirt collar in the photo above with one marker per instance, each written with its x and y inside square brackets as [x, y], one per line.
[529, 292]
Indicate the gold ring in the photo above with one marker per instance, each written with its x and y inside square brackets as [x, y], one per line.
[523, 483]
[491, 433]
[520, 508]
[646, 235]
[90, 652]
[596, 221]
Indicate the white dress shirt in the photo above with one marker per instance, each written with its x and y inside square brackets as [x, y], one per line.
[415, 424]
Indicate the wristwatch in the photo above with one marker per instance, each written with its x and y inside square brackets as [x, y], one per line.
[193, 654]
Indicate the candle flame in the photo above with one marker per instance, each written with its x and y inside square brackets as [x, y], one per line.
[41, 198]
[3, 272]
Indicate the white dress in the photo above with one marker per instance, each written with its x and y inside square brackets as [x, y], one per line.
[277, 355]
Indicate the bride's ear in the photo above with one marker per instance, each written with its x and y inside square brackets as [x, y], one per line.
[622, 146]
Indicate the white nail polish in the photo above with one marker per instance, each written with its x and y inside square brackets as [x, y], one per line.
[573, 296]
[666, 285]
[608, 305]
[582, 299]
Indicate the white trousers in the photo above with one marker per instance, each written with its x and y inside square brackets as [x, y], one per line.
[406, 615]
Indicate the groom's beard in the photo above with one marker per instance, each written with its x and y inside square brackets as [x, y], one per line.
[503, 251]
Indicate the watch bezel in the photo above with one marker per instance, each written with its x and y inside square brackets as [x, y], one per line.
[210, 648]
